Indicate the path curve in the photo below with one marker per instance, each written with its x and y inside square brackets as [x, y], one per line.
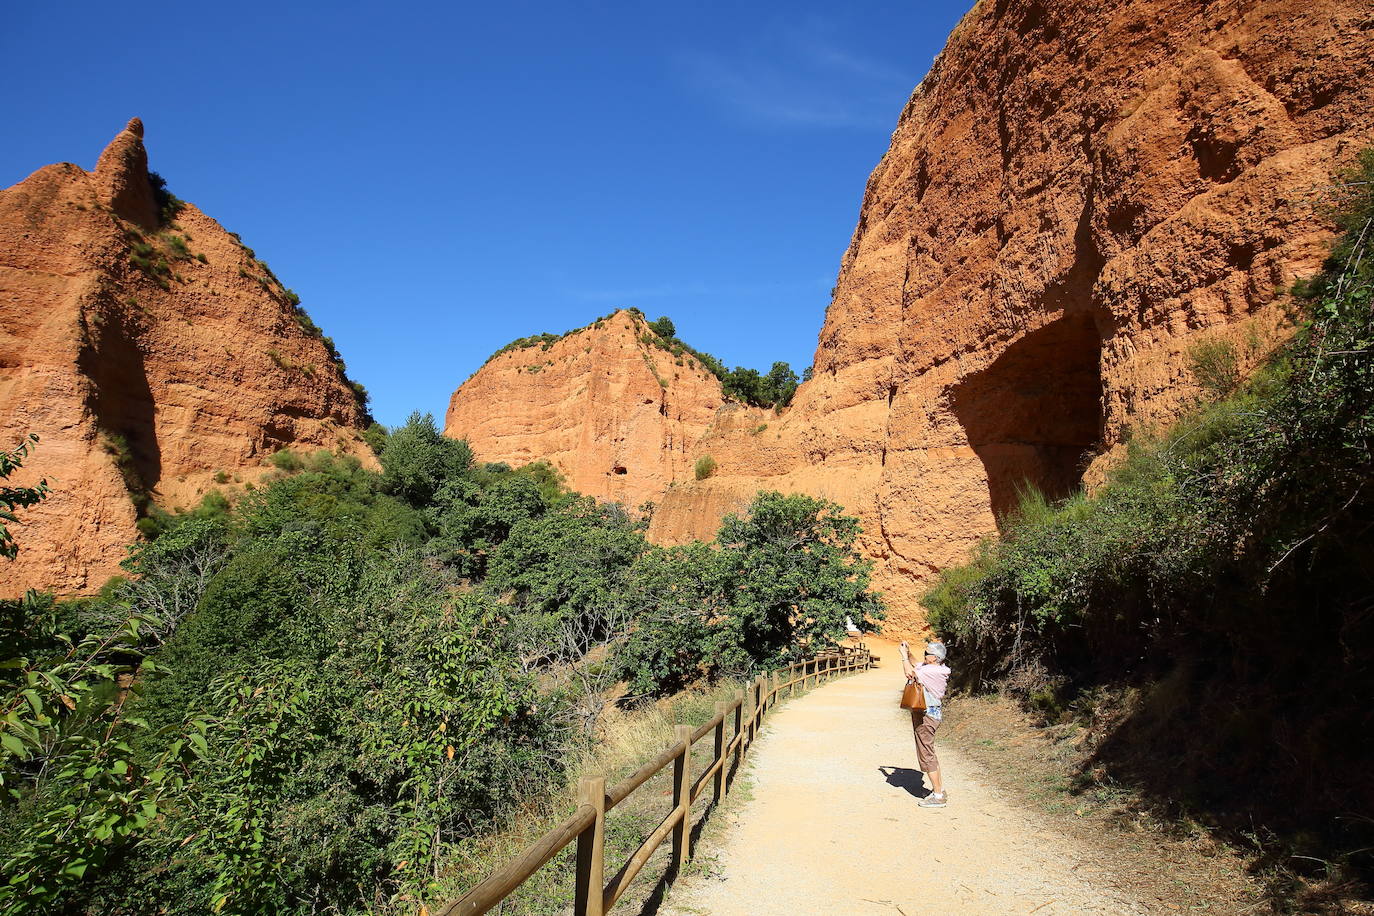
[825, 832]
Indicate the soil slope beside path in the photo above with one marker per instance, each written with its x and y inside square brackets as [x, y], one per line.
[827, 831]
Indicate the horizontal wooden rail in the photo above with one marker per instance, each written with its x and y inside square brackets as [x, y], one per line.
[516, 872]
[586, 826]
[641, 856]
[707, 728]
[642, 775]
[701, 780]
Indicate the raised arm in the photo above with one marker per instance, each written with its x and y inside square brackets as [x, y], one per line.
[908, 667]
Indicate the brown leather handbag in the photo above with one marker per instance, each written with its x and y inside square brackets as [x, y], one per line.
[914, 697]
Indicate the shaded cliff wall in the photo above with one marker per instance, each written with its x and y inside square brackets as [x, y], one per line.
[142, 382]
[617, 416]
[1076, 194]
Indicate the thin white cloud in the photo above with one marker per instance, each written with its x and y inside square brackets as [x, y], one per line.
[799, 75]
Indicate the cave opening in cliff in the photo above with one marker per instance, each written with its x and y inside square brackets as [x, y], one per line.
[1034, 417]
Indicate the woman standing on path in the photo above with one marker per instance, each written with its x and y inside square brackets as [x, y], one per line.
[933, 676]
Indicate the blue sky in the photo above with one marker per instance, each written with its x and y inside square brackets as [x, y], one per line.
[436, 179]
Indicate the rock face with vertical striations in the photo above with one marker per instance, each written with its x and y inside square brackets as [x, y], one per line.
[1078, 192]
[616, 414]
[150, 355]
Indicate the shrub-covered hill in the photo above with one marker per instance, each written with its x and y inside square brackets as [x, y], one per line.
[742, 384]
[315, 700]
[1224, 571]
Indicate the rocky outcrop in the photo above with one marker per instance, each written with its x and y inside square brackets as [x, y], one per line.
[1077, 194]
[614, 412]
[150, 358]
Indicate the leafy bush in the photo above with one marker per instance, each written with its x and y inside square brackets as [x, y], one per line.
[1216, 366]
[375, 437]
[168, 204]
[566, 562]
[418, 459]
[778, 588]
[12, 498]
[664, 328]
[704, 467]
[286, 460]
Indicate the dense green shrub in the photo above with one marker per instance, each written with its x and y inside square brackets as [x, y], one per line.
[740, 384]
[12, 498]
[778, 587]
[664, 327]
[566, 562]
[418, 459]
[286, 460]
[678, 592]
[168, 204]
[333, 713]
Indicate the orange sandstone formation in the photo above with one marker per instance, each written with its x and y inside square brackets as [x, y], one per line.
[615, 414]
[1077, 193]
[142, 380]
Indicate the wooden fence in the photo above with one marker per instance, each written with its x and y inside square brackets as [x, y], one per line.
[595, 895]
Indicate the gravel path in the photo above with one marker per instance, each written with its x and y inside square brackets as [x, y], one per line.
[826, 832]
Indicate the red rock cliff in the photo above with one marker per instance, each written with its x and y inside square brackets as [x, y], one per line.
[1078, 192]
[141, 378]
[616, 415]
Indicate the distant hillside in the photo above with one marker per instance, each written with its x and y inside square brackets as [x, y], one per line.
[608, 405]
[154, 355]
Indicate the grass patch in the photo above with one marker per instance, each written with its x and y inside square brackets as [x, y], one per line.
[286, 460]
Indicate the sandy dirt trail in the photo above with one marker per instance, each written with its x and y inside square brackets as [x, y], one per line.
[827, 832]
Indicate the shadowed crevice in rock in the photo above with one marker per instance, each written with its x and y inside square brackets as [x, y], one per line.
[1035, 414]
[120, 398]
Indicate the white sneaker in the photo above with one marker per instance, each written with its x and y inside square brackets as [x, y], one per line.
[933, 800]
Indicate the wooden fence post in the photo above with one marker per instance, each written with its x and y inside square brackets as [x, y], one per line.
[739, 731]
[682, 798]
[591, 858]
[756, 715]
[722, 710]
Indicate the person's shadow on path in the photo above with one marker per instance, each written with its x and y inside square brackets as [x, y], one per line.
[913, 781]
